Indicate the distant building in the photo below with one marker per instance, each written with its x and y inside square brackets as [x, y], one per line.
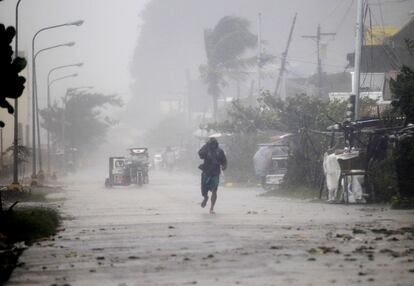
[383, 55]
[338, 82]
[172, 104]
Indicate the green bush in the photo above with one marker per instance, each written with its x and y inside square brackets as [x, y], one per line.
[383, 180]
[405, 166]
[29, 224]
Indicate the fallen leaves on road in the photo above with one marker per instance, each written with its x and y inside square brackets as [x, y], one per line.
[344, 236]
[209, 256]
[358, 231]
[323, 250]
[71, 254]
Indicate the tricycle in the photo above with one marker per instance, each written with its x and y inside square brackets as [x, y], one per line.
[124, 171]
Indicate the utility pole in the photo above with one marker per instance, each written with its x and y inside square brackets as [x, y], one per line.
[357, 63]
[284, 57]
[259, 54]
[317, 38]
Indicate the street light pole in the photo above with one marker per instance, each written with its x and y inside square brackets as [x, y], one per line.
[49, 105]
[70, 44]
[259, 55]
[64, 109]
[77, 23]
[16, 110]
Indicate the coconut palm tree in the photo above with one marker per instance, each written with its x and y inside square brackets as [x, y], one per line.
[224, 46]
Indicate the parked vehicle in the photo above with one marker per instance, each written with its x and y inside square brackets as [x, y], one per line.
[124, 171]
[157, 161]
[169, 158]
[270, 163]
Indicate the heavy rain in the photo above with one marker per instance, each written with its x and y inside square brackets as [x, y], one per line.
[206, 142]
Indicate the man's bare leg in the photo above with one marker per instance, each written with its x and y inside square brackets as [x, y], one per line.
[204, 202]
[213, 201]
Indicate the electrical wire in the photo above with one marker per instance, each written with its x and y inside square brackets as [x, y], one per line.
[333, 11]
[344, 17]
[309, 62]
[390, 2]
[381, 15]
[395, 61]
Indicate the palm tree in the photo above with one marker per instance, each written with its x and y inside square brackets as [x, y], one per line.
[224, 46]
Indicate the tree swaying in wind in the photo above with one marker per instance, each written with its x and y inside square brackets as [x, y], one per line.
[84, 125]
[224, 46]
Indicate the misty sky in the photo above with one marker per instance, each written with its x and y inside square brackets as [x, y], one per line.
[105, 42]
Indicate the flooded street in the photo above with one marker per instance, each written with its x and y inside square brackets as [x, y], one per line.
[159, 235]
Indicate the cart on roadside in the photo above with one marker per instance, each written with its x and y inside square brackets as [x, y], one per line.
[125, 171]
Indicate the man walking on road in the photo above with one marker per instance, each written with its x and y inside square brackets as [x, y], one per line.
[214, 158]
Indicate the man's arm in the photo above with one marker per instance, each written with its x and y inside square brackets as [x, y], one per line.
[203, 152]
[223, 160]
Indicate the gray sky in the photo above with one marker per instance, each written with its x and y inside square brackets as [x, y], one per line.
[105, 42]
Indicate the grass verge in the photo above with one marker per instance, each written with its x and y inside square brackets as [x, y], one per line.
[402, 203]
[29, 224]
[24, 224]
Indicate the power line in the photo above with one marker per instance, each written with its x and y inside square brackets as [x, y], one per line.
[313, 63]
[390, 2]
[344, 16]
[382, 16]
[289, 59]
[339, 4]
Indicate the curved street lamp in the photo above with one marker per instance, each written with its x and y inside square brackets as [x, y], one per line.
[64, 110]
[61, 67]
[63, 77]
[73, 89]
[69, 44]
[49, 83]
[76, 23]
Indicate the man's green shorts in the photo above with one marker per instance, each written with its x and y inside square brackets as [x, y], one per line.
[209, 183]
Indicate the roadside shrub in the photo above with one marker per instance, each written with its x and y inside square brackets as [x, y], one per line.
[405, 166]
[402, 203]
[383, 180]
[29, 224]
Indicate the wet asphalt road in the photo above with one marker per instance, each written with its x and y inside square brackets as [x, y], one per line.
[159, 235]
